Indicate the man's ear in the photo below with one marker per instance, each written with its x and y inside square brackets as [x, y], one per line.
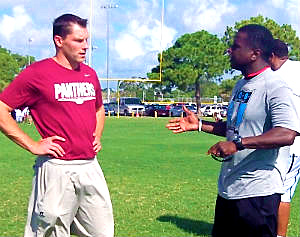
[58, 40]
[256, 54]
[271, 57]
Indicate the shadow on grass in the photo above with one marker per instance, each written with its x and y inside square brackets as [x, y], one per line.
[188, 225]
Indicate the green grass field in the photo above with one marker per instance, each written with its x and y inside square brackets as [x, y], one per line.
[161, 184]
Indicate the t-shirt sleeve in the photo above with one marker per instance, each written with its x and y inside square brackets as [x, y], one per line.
[283, 109]
[20, 93]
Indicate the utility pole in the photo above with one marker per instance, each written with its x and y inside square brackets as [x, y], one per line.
[29, 41]
[107, 7]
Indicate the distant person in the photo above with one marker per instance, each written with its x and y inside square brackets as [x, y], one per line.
[65, 101]
[27, 116]
[261, 119]
[217, 116]
[19, 115]
[290, 72]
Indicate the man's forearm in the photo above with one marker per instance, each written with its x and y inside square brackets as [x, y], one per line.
[218, 128]
[276, 137]
[100, 117]
[11, 129]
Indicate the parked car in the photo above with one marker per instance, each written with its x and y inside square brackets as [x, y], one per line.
[129, 105]
[224, 111]
[192, 108]
[149, 109]
[109, 109]
[211, 109]
[161, 110]
[177, 110]
[202, 109]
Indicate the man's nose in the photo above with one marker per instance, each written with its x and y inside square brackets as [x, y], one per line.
[86, 44]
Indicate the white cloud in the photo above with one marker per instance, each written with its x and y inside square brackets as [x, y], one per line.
[139, 39]
[5, 3]
[206, 14]
[143, 35]
[293, 8]
[15, 23]
[278, 3]
[128, 47]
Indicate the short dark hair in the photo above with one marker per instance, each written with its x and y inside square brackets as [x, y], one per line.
[62, 24]
[280, 49]
[259, 37]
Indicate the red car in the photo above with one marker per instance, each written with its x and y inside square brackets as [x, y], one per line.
[161, 110]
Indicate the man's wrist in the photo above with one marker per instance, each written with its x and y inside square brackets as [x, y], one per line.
[238, 143]
[199, 124]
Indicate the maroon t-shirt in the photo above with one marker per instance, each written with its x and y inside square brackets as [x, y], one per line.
[62, 102]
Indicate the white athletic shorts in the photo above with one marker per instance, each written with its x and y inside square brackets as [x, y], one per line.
[291, 179]
[69, 197]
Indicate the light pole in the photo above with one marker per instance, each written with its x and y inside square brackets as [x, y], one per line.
[108, 7]
[90, 33]
[29, 41]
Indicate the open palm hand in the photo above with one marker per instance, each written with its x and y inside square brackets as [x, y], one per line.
[188, 123]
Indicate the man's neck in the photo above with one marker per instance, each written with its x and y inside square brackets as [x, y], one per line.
[253, 68]
[254, 74]
[63, 61]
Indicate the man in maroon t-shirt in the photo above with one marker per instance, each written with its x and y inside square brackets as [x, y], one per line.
[69, 193]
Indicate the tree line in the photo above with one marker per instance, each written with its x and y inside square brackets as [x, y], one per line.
[10, 65]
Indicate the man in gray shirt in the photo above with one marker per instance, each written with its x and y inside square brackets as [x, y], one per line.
[261, 118]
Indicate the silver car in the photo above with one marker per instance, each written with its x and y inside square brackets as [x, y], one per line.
[129, 105]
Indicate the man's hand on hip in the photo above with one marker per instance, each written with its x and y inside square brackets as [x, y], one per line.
[47, 146]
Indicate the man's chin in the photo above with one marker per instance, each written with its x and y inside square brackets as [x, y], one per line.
[81, 60]
[234, 66]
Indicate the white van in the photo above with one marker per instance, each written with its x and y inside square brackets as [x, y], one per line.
[128, 105]
[211, 109]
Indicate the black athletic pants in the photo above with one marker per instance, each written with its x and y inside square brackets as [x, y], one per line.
[248, 217]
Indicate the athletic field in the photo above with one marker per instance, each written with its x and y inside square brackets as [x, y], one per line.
[161, 184]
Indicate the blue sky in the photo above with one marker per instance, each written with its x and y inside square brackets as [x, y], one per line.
[135, 33]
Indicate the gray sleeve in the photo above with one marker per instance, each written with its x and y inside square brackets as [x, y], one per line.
[282, 108]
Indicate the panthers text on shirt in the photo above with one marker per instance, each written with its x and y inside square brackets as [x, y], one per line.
[77, 92]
